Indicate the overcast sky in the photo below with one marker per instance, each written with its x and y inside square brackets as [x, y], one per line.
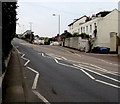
[44, 24]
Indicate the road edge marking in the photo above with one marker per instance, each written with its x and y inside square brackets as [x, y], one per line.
[41, 97]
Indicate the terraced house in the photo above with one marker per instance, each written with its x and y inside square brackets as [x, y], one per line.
[101, 27]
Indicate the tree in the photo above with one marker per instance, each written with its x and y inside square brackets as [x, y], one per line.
[8, 27]
[84, 36]
[66, 34]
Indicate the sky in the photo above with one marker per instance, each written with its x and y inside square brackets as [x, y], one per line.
[39, 13]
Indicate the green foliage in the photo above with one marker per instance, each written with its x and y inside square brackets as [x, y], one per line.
[66, 35]
[84, 35]
[46, 39]
[8, 27]
[75, 34]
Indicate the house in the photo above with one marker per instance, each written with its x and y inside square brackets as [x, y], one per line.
[102, 28]
[41, 40]
[74, 26]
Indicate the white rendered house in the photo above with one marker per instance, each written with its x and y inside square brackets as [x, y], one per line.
[106, 23]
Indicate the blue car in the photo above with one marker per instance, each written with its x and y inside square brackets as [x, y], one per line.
[101, 50]
[104, 50]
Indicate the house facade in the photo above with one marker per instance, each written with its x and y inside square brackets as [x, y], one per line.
[100, 28]
[74, 26]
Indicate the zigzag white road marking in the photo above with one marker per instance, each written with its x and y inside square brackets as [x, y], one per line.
[90, 76]
[41, 97]
[34, 86]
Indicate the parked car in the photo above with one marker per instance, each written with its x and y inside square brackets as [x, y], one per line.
[35, 42]
[101, 50]
[55, 43]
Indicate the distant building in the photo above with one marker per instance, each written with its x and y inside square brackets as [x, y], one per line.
[100, 27]
[41, 40]
[26, 33]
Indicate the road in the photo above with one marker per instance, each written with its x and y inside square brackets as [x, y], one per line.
[57, 74]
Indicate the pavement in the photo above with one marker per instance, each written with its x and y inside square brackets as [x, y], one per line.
[108, 57]
[14, 88]
[13, 85]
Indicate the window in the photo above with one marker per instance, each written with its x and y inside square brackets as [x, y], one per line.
[86, 28]
[95, 25]
[81, 29]
[90, 28]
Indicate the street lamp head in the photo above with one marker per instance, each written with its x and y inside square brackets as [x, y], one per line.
[53, 14]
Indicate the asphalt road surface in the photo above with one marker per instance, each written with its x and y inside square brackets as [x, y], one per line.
[55, 74]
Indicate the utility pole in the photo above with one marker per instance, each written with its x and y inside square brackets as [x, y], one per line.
[31, 32]
[58, 22]
[30, 26]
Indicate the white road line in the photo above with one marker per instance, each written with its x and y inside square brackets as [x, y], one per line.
[75, 68]
[78, 55]
[88, 70]
[97, 73]
[35, 79]
[99, 60]
[26, 62]
[108, 62]
[33, 70]
[87, 74]
[1, 78]
[35, 82]
[99, 69]
[17, 49]
[34, 86]
[24, 57]
[41, 97]
[45, 56]
[83, 70]
[107, 83]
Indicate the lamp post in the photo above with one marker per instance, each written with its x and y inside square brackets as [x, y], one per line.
[30, 26]
[58, 22]
[30, 31]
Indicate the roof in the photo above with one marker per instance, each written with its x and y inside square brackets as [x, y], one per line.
[99, 14]
[77, 20]
[103, 14]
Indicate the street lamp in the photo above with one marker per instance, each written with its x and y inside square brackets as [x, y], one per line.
[58, 22]
[30, 26]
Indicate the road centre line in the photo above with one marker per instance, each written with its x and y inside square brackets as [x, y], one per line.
[45, 56]
[101, 69]
[103, 81]
[107, 83]
[88, 74]
[91, 76]
[41, 97]
[75, 68]
[83, 70]
[97, 73]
